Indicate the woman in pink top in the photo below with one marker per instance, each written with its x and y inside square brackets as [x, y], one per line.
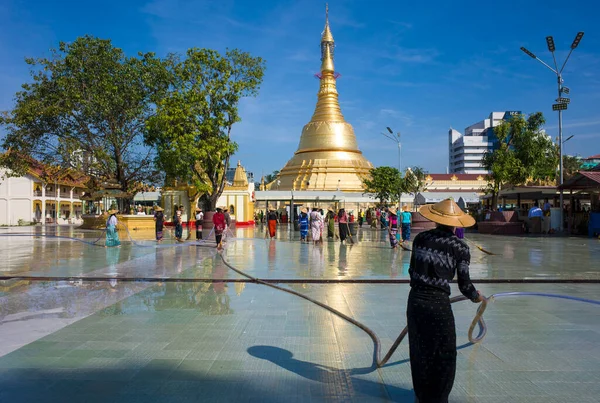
[343, 221]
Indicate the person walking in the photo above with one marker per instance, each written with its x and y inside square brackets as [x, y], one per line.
[303, 224]
[343, 224]
[393, 227]
[316, 225]
[330, 220]
[199, 222]
[219, 225]
[112, 236]
[437, 257]
[361, 218]
[546, 217]
[406, 221]
[159, 222]
[177, 222]
[272, 221]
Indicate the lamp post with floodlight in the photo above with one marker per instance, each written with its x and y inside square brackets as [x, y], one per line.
[396, 138]
[562, 102]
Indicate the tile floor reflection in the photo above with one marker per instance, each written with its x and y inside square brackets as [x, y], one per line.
[118, 341]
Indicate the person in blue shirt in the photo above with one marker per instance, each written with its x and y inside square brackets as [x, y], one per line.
[406, 219]
[535, 218]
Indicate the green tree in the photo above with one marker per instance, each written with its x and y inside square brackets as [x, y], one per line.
[571, 165]
[384, 183]
[191, 130]
[86, 110]
[415, 182]
[525, 154]
[271, 177]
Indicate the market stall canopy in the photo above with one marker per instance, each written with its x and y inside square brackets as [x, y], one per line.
[584, 180]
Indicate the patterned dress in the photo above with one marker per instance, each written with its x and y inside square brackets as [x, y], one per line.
[316, 225]
[437, 256]
[393, 230]
[160, 221]
[303, 223]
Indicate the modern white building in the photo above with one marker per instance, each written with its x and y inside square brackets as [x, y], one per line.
[466, 150]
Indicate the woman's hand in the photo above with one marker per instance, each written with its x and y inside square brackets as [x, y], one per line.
[480, 297]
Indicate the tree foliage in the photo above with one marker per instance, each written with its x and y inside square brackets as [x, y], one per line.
[384, 183]
[415, 181]
[571, 165]
[191, 130]
[86, 110]
[525, 154]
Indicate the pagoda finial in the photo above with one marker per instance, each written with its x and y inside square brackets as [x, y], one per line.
[326, 36]
[328, 107]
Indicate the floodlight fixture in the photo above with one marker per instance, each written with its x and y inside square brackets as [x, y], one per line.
[528, 53]
[568, 138]
[577, 40]
[390, 130]
[550, 42]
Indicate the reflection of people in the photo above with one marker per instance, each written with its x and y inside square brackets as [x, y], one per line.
[272, 222]
[219, 226]
[343, 262]
[272, 254]
[437, 256]
[112, 237]
[159, 218]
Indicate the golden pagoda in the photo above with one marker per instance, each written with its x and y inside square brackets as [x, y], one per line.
[328, 157]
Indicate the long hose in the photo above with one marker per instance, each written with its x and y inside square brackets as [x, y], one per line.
[379, 362]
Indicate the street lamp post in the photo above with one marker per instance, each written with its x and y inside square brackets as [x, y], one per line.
[396, 138]
[562, 103]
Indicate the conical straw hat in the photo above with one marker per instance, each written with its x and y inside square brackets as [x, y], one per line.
[447, 213]
[393, 210]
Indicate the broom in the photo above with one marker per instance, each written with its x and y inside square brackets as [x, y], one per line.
[349, 235]
[480, 248]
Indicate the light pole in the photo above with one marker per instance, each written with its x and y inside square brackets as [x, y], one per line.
[396, 138]
[561, 104]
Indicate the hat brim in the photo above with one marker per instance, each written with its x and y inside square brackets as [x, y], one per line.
[113, 211]
[159, 209]
[463, 220]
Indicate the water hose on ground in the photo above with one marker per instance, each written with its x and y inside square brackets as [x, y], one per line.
[379, 362]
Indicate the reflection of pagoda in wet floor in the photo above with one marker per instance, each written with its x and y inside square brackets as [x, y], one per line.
[328, 167]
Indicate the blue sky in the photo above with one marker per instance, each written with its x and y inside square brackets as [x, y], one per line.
[418, 67]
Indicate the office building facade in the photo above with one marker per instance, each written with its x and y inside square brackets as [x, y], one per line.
[466, 150]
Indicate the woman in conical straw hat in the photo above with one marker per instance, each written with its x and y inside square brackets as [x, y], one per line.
[393, 227]
[159, 218]
[112, 236]
[303, 224]
[437, 256]
[405, 220]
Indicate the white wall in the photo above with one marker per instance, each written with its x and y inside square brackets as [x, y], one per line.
[16, 201]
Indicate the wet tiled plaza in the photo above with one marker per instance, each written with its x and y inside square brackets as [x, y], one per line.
[79, 322]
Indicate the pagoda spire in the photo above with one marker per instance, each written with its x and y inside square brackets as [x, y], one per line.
[328, 107]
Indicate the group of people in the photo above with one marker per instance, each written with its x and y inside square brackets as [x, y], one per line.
[394, 221]
[314, 221]
[438, 255]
